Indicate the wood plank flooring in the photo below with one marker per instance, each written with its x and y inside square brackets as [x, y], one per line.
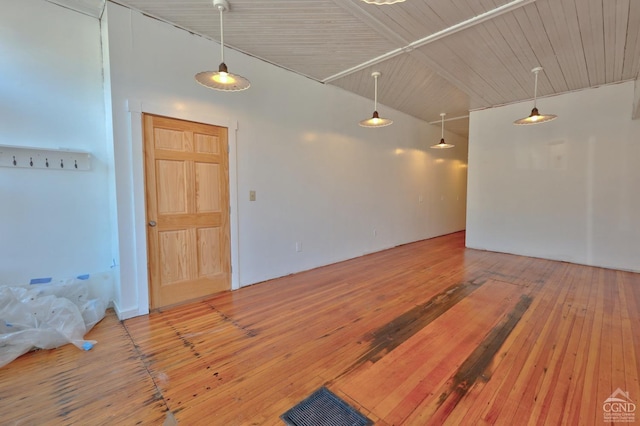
[425, 333]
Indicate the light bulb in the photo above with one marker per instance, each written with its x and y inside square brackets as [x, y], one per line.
[223, 78]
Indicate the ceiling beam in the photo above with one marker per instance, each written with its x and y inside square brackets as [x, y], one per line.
[409, 47]
[391, 35]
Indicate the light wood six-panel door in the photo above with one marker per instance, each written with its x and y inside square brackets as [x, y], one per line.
[187, 200]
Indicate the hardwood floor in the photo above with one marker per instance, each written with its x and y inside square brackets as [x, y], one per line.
[426, 333]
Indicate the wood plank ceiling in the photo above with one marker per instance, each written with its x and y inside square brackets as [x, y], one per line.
[580, 44]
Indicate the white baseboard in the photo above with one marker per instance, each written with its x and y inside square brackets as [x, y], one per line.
[124, 314]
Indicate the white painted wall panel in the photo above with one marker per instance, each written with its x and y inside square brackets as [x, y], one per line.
[53, 223]
[564, 190]
[320, 179]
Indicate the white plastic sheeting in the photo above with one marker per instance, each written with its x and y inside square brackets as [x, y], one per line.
[48, 315]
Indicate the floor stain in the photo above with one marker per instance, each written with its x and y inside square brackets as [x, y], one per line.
[475, 366]
[400, 329]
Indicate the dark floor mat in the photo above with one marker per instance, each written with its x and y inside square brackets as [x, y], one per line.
[323, 408]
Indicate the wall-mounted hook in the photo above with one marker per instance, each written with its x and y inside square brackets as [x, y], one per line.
[41, 158]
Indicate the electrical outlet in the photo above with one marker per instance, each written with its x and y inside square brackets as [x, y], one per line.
[298, 247]
[252, 195]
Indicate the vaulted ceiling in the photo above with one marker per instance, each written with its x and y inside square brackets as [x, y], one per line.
[434, 55]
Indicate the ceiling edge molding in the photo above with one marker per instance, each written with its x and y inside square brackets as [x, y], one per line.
[461, 117]
[93, 8]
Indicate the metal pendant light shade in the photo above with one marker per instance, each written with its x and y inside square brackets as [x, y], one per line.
[222, 79]
[375, 120]
[535, 117]
[442, 144]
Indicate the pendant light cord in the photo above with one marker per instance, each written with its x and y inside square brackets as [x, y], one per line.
[535, 90]
[221, 34]
[442, 133]
[375, 93]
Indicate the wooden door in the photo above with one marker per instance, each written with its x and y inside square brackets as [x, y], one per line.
[187, 197]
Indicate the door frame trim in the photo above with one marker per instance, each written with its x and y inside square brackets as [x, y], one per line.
[136, 108]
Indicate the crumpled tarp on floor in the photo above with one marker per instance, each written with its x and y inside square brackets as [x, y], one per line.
[46, 316]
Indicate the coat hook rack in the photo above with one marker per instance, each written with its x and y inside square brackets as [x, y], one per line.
[38, 158]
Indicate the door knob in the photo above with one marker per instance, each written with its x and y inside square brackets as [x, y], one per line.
[152, 223]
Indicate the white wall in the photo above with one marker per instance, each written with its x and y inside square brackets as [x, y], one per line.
[564, 190]
[54, 223]
[320, 179]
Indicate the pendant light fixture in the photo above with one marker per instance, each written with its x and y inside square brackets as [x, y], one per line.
[535, 117]
[442, 144]
[222, 79]
[375, 120]
[379, 2]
